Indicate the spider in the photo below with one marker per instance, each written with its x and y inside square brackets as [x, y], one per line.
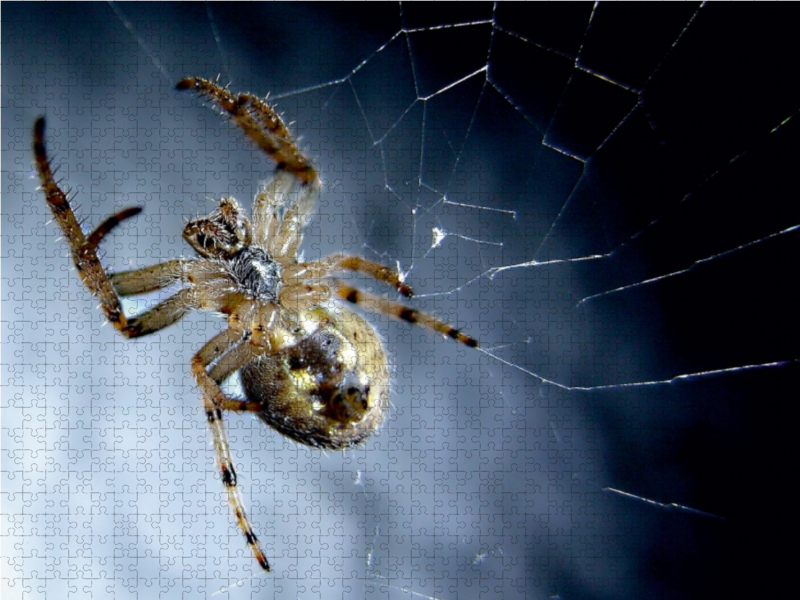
[317, 374]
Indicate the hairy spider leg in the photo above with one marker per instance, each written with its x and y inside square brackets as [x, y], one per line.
[149, 279]
[214, 402]
[260, 123]
[329, 265]
[263, 125]
[402, 312]
[267, 207]
[84, 254]
[295, 218]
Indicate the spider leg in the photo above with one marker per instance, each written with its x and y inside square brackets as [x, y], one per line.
[290, 231]
[267, 205]
[280, 214]
[149, 279]
[346, 262]
[100, 232]
[223, 350]
[252, 346]
[402, 312]
[299, 296]
[162, 314]
[263, 125]
[174, 308]
[84, 251]
[84, 255]
[260, 123]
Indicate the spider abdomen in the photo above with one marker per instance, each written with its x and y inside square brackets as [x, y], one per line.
[329, 390]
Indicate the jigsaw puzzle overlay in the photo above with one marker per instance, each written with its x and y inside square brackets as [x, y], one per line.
[563, 184]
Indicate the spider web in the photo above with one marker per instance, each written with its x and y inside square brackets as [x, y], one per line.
[598, 193]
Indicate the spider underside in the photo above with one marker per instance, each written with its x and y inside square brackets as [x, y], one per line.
[312, 371]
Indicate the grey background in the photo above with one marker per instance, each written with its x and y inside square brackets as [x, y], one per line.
[640, 133]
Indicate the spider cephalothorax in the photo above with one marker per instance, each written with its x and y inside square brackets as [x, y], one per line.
[312, 371]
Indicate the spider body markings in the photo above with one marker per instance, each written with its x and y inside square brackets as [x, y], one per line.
[309, 369]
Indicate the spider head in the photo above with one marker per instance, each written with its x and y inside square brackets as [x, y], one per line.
[220, 234]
